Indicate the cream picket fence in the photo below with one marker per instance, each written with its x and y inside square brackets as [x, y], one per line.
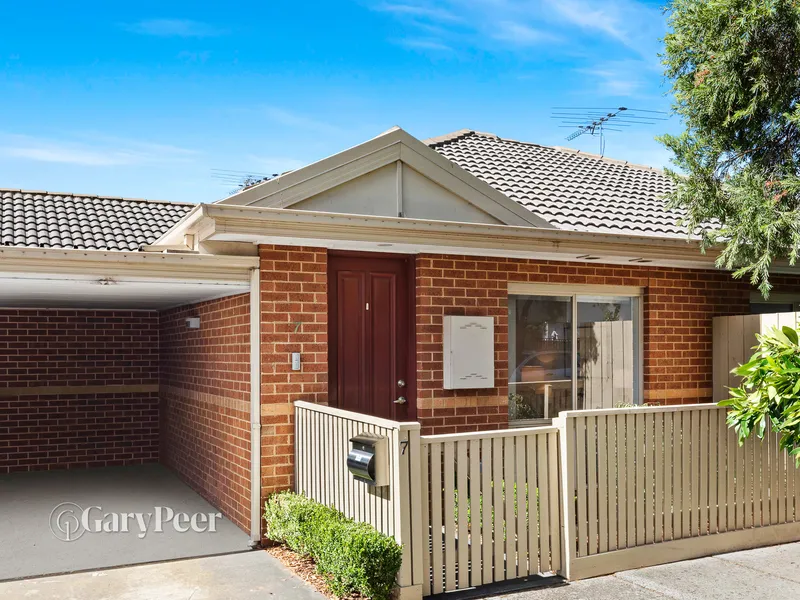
[652, 485]
[493, 510]
[322, 441]
[734, 338]
[600, 491]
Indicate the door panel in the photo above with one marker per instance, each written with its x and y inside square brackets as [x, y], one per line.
[352, 372]
[383, 320]
[369, 335]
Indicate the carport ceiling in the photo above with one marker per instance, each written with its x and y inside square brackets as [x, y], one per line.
[75, 291]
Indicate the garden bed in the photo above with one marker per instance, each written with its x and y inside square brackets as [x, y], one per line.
[338, 556]
[305, 569]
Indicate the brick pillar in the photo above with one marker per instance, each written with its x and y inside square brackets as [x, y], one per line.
[294, 318]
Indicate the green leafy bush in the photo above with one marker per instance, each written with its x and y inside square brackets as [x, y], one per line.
[353, 557]
[770, 390]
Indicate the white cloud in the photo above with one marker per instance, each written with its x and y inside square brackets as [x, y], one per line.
[55, 153]
[423, 44]
[632, 78]
[174, 28]
[635, 25]
[90, 151]
[520, 24]
[296, 120]
[274, 164]
[417, 11]
[520, 34]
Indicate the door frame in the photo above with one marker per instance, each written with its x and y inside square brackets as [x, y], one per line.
[410, 261]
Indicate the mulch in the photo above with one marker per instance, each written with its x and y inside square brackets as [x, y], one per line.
[304, 568]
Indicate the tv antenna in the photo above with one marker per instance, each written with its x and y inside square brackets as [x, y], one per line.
[241, 180]
[595, 121]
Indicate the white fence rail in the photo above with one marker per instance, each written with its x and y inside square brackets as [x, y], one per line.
[493, 511]
[647, 486]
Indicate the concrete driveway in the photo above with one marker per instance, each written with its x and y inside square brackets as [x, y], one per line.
[249, 575]
[761, 574]
[29, 547]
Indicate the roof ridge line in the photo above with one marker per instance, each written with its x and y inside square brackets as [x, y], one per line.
[608, 159]
[454, 135]
[449, 137]
[593, 155]
[96, 197]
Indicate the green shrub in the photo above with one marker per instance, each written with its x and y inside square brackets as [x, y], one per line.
[770, 390]
[352, 556]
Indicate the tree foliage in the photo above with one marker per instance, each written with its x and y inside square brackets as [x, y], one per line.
[770, 390]
[735, 72]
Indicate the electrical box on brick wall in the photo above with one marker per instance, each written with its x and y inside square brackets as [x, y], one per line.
[468, 352]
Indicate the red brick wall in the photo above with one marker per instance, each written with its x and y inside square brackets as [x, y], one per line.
[678, 309]
[78, 388]
[205, 403]
[294, 318]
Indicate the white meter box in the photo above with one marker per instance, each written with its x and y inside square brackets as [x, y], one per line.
[468, 352]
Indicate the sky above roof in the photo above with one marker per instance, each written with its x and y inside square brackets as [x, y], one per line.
[147, 99]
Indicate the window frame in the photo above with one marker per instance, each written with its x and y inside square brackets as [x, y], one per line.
[573, 292]
[776, 298]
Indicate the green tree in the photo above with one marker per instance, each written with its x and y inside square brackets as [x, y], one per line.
[735, 72]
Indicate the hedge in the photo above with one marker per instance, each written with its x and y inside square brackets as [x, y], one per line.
[353, 557]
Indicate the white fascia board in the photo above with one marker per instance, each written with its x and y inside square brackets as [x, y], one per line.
[267, 226]
[187, 267]
[259, 225]
[284, 197]
[394, 145]
[416, 155]
[298, 176]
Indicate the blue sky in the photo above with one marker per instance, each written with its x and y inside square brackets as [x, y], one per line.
[145, 99]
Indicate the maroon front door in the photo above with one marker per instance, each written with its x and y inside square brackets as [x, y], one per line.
[369, 336]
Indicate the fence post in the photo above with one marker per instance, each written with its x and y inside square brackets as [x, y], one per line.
[566, 456]
[407, 484]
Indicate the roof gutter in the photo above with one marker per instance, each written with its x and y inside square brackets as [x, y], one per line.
[195, 267]
[258, 225]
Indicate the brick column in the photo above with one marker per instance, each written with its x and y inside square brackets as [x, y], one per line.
[294, 318]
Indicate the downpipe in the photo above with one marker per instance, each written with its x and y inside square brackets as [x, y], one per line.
[255, 408]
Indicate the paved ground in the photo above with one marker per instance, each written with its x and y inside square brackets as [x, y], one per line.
[28, 547]
[244, 576]
[762, 574]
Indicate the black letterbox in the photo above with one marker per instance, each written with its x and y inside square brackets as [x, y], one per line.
[368, 458]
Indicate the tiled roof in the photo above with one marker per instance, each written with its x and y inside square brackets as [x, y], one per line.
[52, 220]
[569, 189]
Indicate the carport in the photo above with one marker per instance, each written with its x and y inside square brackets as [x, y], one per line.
[125, 390]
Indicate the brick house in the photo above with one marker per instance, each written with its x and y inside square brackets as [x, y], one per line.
[138, 331]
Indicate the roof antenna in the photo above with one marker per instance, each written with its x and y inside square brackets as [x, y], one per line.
[596, 121]
[240, 179]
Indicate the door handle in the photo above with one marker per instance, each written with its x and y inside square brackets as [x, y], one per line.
[401, 400]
